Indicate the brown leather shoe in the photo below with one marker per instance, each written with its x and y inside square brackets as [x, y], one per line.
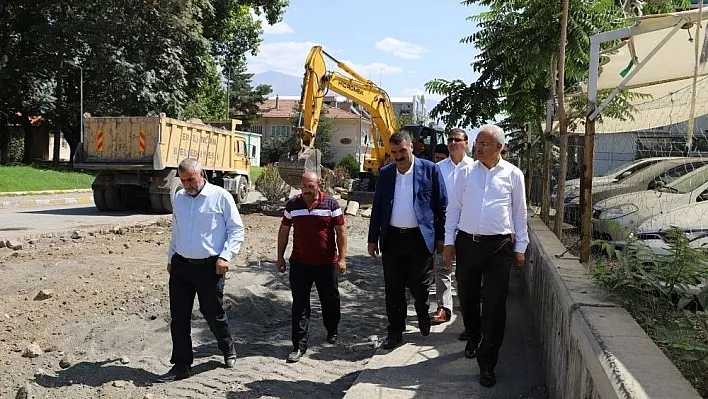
[440, 317]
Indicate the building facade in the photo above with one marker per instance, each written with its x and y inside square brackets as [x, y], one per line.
[350, 136]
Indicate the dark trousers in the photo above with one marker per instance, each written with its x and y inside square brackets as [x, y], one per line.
[406, 263]
[491, 261]
[326, 279]
[186, 280]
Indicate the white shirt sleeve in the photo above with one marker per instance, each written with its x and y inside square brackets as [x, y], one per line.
[518, 212]
[234, 229]
[454, 206]
[172, 250]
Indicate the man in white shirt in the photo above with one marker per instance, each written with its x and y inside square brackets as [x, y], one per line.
[207, 233]
[486, 230]
[456, 144]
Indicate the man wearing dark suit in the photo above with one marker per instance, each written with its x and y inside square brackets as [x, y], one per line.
[407, 225]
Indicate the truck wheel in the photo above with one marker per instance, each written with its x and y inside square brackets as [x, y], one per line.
[115, 198]
[156, 203]
[167, 199]
[99, 199]
[241, 191]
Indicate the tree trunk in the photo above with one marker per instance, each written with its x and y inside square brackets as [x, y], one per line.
[529, 170]
[4, 141]
[72, 138]
[546, 135]
[27, 157]
[563, 124]
[58, 125]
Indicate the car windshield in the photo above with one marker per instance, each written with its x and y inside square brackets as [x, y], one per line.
[620, 168]
[688, 182]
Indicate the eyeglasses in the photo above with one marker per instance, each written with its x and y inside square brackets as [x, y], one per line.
[455, 139]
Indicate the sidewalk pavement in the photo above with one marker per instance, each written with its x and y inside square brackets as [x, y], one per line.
[25, 199]
[435, 366]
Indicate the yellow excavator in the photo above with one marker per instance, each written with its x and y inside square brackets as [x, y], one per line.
[316, 83]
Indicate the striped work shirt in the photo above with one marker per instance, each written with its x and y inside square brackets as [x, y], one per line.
[314, 240]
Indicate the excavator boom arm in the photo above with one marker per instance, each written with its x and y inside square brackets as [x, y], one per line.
[317, 81]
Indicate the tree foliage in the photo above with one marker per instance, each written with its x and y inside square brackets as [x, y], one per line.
[516, 40]
[244, 100]
[138, 57]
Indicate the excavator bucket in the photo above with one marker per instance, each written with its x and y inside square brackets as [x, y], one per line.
[292, 165]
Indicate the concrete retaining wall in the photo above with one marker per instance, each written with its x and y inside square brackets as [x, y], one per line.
[590, 347]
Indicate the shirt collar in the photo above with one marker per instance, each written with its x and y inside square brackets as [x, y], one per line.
[204, 190]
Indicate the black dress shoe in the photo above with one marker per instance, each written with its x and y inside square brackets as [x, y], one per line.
[471, 349]
[230, 357]
[332, 338]
[424, 325]
[393, 341]
[230, 360]
[464, 336]
[295, 355]
[176, 373]
[487, 378]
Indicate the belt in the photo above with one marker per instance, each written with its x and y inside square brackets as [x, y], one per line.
[484, 238]
[202, 261]
[403, 230]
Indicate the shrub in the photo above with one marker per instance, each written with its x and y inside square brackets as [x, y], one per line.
[350, 164]
[340, 177]
[271, 185]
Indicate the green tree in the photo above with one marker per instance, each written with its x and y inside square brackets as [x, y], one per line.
[244, 100]
[210, 101]
[137, 57]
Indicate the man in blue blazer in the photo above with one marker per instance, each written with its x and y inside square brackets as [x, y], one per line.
[407, 226]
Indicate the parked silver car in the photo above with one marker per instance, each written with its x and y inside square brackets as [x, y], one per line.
[572, 186]
[648, 178]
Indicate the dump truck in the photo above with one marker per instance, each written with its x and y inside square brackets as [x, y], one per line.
[136, 159]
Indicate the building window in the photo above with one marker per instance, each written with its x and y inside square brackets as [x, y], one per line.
[256, 129]
[280, 131]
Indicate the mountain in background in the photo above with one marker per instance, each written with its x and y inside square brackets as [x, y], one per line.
[282, 84]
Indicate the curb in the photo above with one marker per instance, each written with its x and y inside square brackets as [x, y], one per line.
[51, 201]
[44, 192]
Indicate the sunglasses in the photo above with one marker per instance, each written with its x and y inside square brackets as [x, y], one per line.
[455, 139]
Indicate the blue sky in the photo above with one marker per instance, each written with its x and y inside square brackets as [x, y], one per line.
[398, 44]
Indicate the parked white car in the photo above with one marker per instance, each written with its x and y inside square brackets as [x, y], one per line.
[572, 186]
[616, 217]
[691, 219]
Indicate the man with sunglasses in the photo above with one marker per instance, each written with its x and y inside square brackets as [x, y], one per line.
[486, 230]
[456, 145]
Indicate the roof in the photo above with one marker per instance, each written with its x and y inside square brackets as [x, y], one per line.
[285, 108]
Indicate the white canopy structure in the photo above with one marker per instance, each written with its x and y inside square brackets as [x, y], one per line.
[656, 56]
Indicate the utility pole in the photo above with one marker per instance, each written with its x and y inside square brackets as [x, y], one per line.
[562, 124]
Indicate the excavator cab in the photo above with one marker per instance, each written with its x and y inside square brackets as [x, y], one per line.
[425, 139]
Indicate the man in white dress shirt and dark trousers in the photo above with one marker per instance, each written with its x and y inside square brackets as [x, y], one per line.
[207, 233]
[486, 230]
[456, 144]
[407, 225]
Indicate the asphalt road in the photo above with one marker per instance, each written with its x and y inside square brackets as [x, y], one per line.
[32, 222]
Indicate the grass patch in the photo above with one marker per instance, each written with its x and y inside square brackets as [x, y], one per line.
[255, 172]
[41, 177]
